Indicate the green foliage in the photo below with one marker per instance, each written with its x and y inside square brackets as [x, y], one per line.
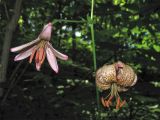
[126, 30]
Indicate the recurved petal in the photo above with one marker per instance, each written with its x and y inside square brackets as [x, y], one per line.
[51, 59]
[135, 80]
[24, 54]
[38, 66]
[121, 88]
[21, 47]
[57, 53]
[46, 32]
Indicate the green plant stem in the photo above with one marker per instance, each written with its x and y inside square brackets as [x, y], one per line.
[94, 53]
[68, 21]
[93, 47]
[92, 9]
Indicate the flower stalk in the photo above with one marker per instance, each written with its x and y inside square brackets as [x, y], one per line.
[68, 21]
[94, 51]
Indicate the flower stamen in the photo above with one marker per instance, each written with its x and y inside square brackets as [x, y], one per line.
[122, 103]
[37, 56]
[118, 103]
[43, 58]
[32, 55]
[103, 102]
[41, 54]
[109, 102]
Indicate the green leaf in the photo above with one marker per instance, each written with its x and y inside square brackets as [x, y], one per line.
[156, 48]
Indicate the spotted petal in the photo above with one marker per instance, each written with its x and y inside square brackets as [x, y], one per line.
[57, 53]
[121, 88]
[21, 47]
[51, 59]
[24, 54]
[135, 80]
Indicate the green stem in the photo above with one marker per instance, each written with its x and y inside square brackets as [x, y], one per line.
[92, 36]
[92, 9]
[94, 53]
[68, 21]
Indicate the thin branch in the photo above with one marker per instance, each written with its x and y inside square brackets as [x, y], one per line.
[12, 84]
[7, 41]
[6, 11]
[68, 21]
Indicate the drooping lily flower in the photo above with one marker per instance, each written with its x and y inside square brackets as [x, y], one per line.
[40, 48]
[117, 77]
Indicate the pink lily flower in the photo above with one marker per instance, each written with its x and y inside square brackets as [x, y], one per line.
[40, 48]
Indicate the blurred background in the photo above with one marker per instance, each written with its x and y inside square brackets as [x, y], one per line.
[126, 30]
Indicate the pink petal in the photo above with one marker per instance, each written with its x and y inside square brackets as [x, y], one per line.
[24, 54]
[46, 32]
[21, 47]
[38, 66]
[57, 53]
[52, 59]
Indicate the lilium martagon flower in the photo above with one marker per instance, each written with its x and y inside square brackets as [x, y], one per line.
[40, 48]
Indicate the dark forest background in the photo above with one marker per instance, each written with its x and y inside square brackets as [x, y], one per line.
[126, 30]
